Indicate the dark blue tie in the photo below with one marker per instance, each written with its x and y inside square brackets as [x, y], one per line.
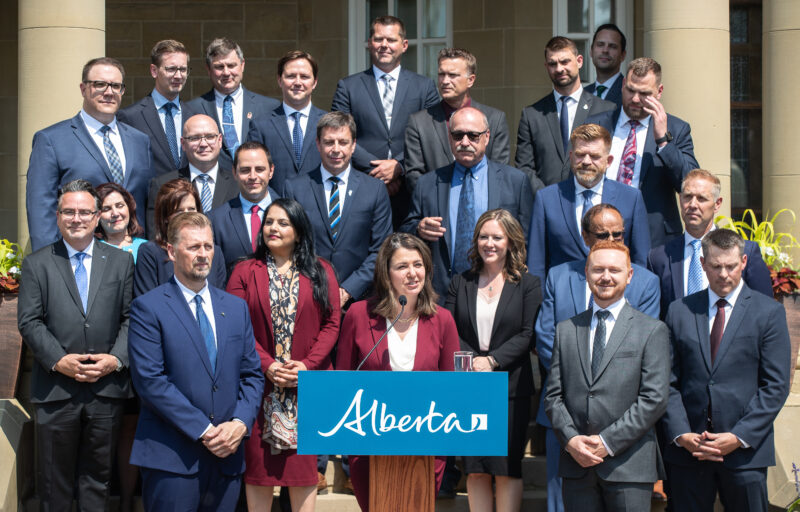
[228, 126]
[599, 345]
[206, 331]
[169, 130]
[81, 279]
[465, 224]
[297, 138]
[564, 123]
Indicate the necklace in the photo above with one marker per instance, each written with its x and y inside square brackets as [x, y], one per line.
[490, 283]
[406, 321]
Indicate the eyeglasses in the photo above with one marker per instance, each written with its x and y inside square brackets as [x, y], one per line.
[173, 70]
[101, 86]
[473, 136]
[82, 214]
[614, 235]
[208, 137]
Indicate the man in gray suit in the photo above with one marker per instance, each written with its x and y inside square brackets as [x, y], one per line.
[427, 136]
[608, 385]
[545, 126]
[73, 315]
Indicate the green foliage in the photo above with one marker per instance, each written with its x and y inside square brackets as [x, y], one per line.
[10, 265]
[774, 245]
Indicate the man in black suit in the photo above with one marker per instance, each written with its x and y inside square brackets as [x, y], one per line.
[608, 53]
[545, 126]
[73, 315]
[201, 142]
[380, 100]
[160, 114]
[427, 134]
[288, 132]
[349, 211]
[444, 211]
[228, 102]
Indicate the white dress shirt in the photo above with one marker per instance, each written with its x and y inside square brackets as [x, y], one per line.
[94, 126]
[572, 105]
[304, 112]
[621, 132]
[608, 84]
[237, 106]
[247, 207]
[402, 351]
[87, 260]
[344, 178]
[597, 198]
[194, 172]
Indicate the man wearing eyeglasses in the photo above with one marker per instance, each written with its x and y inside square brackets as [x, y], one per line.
[554, 236]
[446, 203]
[160, 114]
[92, 146]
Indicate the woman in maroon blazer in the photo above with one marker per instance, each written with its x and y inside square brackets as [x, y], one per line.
[424, 337]
[294, 305]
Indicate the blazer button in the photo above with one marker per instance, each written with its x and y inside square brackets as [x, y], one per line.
[211, 417]
[711, 383]
[86, 326]
[214, 388]
[591, 395]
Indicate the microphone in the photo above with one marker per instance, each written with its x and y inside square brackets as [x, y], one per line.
[402, 300]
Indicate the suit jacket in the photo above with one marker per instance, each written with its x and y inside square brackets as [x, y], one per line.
[614, 94]
[746, 386]
[143, 116]
[255, 106]
[540, 152]
[437, 341]
[365, 222]
[358, 95]
[154, 268]
[555, 238]
[666, 261]
[512, 328]
[179, 392]
[53, 323]
[273, 132]
[508, 188]
[565, 297]
[64, 152]
[661, 173]
[621, 404]
[225, 189]
[428, 141]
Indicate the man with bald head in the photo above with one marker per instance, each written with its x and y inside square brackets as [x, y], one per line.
[447, 202]
[201, 142]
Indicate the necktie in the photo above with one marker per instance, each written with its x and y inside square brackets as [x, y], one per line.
[465, 224]
[255, 225]
[388, 98]
[228, 126]
[718, 328]
[206, 331]
[81, 279]
[169, 130]
[564, 120]
[695, 283]
[628, 162]
[114, 164]
[587, 204]
[334, 210]
[599, 344]
[599, 90]
[205, 192]
[297, 138]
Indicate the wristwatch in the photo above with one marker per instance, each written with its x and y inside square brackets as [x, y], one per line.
[666, 138]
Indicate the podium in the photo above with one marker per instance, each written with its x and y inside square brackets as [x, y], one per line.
[402, 420]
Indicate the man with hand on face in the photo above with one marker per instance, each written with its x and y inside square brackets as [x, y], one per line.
[195, 367]
[608, 53]
[730, 378]
[349, 211]
[237, 223]
[652, 150]
[607, 387]
[74, 300]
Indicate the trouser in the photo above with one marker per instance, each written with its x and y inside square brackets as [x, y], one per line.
[694, 488]
[593, 493]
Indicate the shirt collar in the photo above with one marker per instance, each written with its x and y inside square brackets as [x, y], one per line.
[608, 83]
[343, 176]
[94, 126]
[247, 205]
[623, 119]
[71, 251]
[448, 110]
[477, 170]
[597, 189]
[731, 298]
[395, 73]
[289, 110]
[194, 172]
[188, 294]
[575, 95]
[688, 239]
[236, 95]
[159, 100]
[614, 308]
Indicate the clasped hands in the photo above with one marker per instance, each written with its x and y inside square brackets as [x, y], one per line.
[709, 445]
[86, 367]
[387, 171]
[587, 451]
[285, 374]
[223, 440]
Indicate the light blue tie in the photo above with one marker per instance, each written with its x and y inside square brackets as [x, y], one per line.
[587, 205]
[205, 193]
[695, 283]
[114, 163]
[81, 279]
[228, 126]
[465, 224]
[297, 138]
[169, 131]
[206, 331]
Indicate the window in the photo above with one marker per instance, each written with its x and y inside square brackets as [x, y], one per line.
[429, 28]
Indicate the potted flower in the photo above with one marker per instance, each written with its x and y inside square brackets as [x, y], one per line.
[10, 339]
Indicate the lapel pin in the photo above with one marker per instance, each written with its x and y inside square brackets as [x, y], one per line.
[249, 115]
[349, 193]
[585, 107]
[222, 313]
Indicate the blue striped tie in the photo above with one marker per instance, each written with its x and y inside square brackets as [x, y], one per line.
[297, 138]
[114, 164]
[169, 130]
[205, 192]
[81, 279]
[206, 331]
[695, 283]
[334, 207]
[228, 126]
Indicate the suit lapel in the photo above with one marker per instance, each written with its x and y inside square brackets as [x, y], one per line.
[352, 187]
[566, 196]
[674, 250]
[368, 79]
[584, 105]
[185, 316]
[62, 263]
[153, 122]
[221, 324]
[551, 115]
[443, 198]
[130, 154]
[621, 327]
[278, 119]
[236, 216]
[318, 189]
[471, 289]
[248, 104]
[509, 290]
[439, 125]
[377, 325]
[577, 286]
[703, 334]
[99, 260]
[399, 95]
[262, 286]
[309, 139]
[582, 332]
[493, 184]
[649, 151]
[739, 312]
[82, 133]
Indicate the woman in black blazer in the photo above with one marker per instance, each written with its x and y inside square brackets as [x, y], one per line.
[494, 305]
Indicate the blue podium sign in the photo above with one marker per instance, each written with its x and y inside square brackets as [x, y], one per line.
[402, 413]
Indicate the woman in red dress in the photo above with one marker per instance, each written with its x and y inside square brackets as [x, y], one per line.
[294, 305]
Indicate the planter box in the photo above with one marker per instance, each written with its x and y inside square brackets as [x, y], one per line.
[10, 345]
[792, 305]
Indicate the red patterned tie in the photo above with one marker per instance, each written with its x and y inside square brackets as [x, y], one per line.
[255, 226]
[717, 328]
[628, 162]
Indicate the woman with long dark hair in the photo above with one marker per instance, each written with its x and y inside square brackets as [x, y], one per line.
[294, 305]
[118, 225]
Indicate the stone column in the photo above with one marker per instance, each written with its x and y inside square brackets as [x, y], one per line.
[781, 110]
[691, 41]
[56, 38]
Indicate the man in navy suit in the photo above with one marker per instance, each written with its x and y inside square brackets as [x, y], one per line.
[677, 263]
[380, 100]
[608, 53]
[237, 223]
[195, 367]
[567, 294]
[228, 102]
[545, 126]
[447, 203]
[730, 377]
[160, 114]
[92, 146]
[288, 132]
[558, 209]
[349, 210]
[652, 150]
